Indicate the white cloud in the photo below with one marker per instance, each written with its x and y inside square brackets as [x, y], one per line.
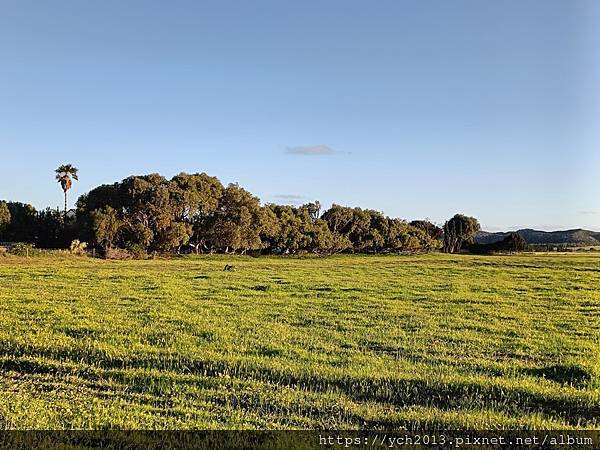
[311, 150]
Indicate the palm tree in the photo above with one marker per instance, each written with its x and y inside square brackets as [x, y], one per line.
[63, 175]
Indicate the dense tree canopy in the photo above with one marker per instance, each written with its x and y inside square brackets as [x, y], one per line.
[432, 230]
[46, 228]
[23, 223]
[142, 212]
[370, 231]
[459, 230]
[301, 229]
[196, 213]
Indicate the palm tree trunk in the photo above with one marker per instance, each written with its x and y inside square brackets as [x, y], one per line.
[65, 203]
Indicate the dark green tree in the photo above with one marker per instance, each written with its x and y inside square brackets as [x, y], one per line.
[513, 243]
[196, 199]
[51, 230]
[142, 209]
[430, 228]
[107, 226]
[4, 218]
[459, 230]
[238, 222]
[23, 223]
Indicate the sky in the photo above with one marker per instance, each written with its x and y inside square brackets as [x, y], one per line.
[419, 109]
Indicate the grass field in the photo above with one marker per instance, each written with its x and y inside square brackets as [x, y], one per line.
[430, 341]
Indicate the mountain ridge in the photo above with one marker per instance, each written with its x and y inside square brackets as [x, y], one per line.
[577, 237]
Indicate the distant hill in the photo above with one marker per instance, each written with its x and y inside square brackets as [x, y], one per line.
[574, 238]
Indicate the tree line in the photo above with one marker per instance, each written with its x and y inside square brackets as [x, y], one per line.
[197, 213]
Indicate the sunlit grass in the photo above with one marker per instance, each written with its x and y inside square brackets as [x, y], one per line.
[429, 341]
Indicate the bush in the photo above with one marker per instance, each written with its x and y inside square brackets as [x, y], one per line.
[77, 247]
[138, 251]
[117, 253]
[22, 249]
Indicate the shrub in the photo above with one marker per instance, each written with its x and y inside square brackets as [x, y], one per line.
[77, 247]
[138, 251]
[116, 253]
[22, 249]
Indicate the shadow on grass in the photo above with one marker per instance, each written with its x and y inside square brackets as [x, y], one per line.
[450, 396]
[565, 374]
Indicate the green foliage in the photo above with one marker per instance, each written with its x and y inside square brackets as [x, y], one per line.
[23, 223]
[139, 212]
[195, 213]
[106, 226]
[459, 230]
[432, 230]
[22, 249]
[370, 231]
[419, 341]
[136, 251]
[4, 217]
[52, 231]
[301, 230]
[45, 229]
[66, 171]
[197, 199]
[238, 222]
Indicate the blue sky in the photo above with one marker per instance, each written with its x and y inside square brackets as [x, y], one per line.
[416, 108]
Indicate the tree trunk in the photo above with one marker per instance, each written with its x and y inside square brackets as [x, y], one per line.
[65, 204]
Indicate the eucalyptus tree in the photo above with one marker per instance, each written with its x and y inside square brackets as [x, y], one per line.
[430, 228]
[239, 222]
[150, 213]
[459, 230]
[196, 199]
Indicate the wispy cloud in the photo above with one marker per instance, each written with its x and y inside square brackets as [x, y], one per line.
[310, 150]
[587, 213]
[290, 199]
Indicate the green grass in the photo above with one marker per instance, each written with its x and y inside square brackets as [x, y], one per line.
[429, 341]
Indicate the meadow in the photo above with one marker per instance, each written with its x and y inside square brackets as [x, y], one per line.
[423, 341]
